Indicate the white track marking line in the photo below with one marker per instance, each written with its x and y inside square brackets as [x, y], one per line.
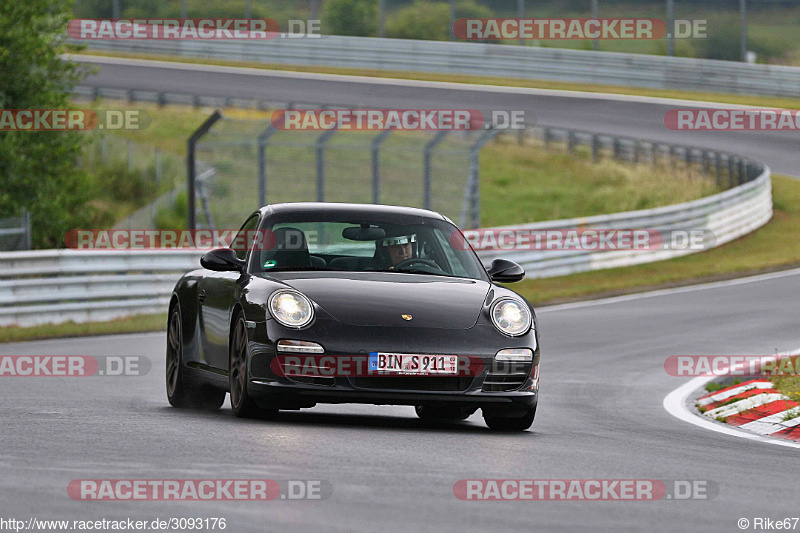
[666, 292]
[675, 403]
[152, 63]
[733, 392]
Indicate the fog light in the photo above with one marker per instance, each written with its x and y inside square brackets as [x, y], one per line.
[299, 347]
[516, 355]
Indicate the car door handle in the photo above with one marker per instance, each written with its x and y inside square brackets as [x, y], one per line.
[201, 296]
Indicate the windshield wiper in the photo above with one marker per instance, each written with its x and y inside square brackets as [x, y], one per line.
[294, 268]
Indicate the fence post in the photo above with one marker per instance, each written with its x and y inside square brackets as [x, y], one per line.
[429, 147]
[130, 156]
[320, 144]
[28, 241]
[190, 165]
[375, 147]
[263, 141]
[158, 166]
[472, 194]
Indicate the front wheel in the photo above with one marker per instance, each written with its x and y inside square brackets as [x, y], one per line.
[242, 403]
[181, 392]
[516, 423]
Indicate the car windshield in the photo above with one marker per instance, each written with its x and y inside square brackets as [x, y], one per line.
[366, 243]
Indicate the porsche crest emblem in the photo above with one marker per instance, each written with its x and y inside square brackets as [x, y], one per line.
[406, 317]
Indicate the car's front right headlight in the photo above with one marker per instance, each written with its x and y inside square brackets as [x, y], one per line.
[511, 317]
[291, 308]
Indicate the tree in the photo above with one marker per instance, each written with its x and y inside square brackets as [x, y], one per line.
[38, 170]
[350, 17]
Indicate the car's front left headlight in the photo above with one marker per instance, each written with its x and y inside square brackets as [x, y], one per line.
[291, 308]
[511, 317]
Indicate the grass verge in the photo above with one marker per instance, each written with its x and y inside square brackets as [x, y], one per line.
[133, 324]
[772, 247]
[762, 101]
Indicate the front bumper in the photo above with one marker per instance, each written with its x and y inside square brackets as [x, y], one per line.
[274, 389]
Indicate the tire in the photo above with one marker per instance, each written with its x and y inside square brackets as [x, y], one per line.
[242, 403]
[517, 423]
[443, 413]
[181, 392]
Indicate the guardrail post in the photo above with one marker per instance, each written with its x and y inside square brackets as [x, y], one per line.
[730, 172]
[595, 148]
[162, 99]
[429, 147]
[570, 141]
[104, 149]
[130, 155]
[654, 154]
[320, 145]
[616, 147]
[635, 151]
[547, 139]
[375, 147]
[191, 218]
[718, 168]
[741, 172]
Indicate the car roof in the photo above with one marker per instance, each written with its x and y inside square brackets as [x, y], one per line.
[346, 209]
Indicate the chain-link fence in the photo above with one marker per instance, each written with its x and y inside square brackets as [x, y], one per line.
[161, 172]
[241, 165]
[15, 233]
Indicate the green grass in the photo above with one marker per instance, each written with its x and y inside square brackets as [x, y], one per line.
[773, 247]
[713, 386]
[521, 184]
[788, 385]
[753, 100]
[133, 324]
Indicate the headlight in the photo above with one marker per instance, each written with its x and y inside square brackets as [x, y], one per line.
[511, 317]
[291, 308]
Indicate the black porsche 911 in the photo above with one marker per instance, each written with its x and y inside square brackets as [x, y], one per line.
[353, 303]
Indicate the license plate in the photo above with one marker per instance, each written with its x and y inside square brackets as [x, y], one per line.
[412, 364]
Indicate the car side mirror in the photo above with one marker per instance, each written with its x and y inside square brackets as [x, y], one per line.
[222, 260]
[505, 271]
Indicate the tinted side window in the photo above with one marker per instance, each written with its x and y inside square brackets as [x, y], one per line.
[244, 239]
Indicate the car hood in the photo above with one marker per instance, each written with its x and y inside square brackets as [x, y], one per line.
[381, 299]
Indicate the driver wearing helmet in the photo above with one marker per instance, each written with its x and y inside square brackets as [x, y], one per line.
[398, 249]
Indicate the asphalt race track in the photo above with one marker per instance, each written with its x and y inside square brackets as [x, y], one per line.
[600, 414]
[633, 117]
[600, 417]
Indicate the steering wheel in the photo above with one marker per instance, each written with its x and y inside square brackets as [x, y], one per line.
[413, 260]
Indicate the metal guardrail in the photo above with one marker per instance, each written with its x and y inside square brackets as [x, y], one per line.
[52, 286]
[507, 61]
